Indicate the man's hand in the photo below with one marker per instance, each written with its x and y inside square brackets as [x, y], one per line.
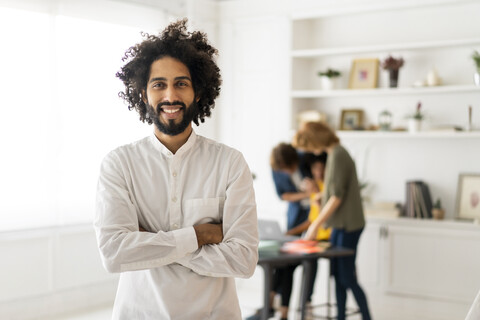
[208, 233]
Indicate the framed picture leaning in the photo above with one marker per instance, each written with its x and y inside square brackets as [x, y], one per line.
[351, 119]
[364, 74]
[468, 197]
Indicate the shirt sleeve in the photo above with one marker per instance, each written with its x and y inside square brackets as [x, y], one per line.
[122, 247]
[283, 183]
[237, 254]
[340, 174]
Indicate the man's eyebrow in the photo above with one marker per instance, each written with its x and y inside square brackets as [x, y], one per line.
[165, 79]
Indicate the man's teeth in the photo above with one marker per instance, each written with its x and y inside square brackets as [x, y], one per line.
[170, 110]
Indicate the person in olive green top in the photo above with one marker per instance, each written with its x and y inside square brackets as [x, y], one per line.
[341, 209]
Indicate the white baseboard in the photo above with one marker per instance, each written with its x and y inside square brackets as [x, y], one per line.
[51, 305]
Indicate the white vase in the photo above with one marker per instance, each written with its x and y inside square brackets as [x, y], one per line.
[414, 125]
[327, 83]
[476, 78]
[432, 78]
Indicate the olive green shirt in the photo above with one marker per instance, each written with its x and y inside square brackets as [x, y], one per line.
[341, 181]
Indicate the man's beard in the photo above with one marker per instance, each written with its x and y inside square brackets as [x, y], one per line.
[171, 128]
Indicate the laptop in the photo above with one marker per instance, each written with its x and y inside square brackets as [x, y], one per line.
[270, 230]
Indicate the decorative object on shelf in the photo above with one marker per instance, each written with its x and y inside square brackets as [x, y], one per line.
[419, 83]
[385, 120]
[363, 185]
[328, 78]
[310, 115]
[414, 125]
[393, 66]
[476, 59]
[351, 119]
[438, 212]
[469, 123]
[468, 197]
[432, 78]
[415, 120]
[364, 74]
[384, 209]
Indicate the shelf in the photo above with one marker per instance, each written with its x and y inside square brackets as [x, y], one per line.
[407, 135]
[354, 8]
[311, 94]
[313, 53]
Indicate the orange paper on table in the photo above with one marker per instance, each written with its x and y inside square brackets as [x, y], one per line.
[302, 246]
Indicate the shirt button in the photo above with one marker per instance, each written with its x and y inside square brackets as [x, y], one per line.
[174, 174]
[175, 226]
[174, 199]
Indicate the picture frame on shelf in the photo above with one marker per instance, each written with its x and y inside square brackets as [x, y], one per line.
[468, 197]
[364, 74]
[351, 119]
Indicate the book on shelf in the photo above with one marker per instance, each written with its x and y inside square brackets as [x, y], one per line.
[418, 200]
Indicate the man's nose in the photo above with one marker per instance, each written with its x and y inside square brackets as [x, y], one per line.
[170, 94]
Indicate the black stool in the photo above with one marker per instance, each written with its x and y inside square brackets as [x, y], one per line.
[328, 305]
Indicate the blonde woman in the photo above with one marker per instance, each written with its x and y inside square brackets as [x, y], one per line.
[341, 208]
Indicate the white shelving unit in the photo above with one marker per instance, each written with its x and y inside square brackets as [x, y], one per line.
[417, 31]
[427, 34]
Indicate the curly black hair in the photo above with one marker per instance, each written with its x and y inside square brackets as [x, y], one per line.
[190, 48]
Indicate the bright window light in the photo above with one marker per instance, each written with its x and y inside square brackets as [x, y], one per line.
[60, 114]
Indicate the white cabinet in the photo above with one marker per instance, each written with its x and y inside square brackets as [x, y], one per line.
[428, 35]
[423, 269]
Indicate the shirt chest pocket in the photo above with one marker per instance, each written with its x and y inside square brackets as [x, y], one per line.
[205, 210]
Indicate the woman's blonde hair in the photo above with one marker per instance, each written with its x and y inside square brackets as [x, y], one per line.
[313, 136]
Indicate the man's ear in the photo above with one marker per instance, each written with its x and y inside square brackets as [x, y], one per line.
[144, 96]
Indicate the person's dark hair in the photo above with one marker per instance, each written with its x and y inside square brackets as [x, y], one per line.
[283, 156]
[190, 48]
[311, 158]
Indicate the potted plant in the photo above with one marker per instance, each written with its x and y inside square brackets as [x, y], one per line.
[476, 59]
[437, 211]
[415, 119]
[328, 78]
[392, 65]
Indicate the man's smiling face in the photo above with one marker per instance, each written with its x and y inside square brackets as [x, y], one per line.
[170, 97]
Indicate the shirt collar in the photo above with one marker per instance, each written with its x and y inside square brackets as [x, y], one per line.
[164, 150]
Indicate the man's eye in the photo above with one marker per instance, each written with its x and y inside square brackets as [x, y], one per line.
[158, 85]
[182, 84]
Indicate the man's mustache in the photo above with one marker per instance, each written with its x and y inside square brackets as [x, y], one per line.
[167, 103]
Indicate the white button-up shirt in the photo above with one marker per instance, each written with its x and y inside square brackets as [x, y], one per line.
[164, 275]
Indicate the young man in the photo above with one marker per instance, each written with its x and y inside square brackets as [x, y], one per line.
[175, 212]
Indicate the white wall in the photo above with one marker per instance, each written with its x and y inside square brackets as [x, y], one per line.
[254, 113]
